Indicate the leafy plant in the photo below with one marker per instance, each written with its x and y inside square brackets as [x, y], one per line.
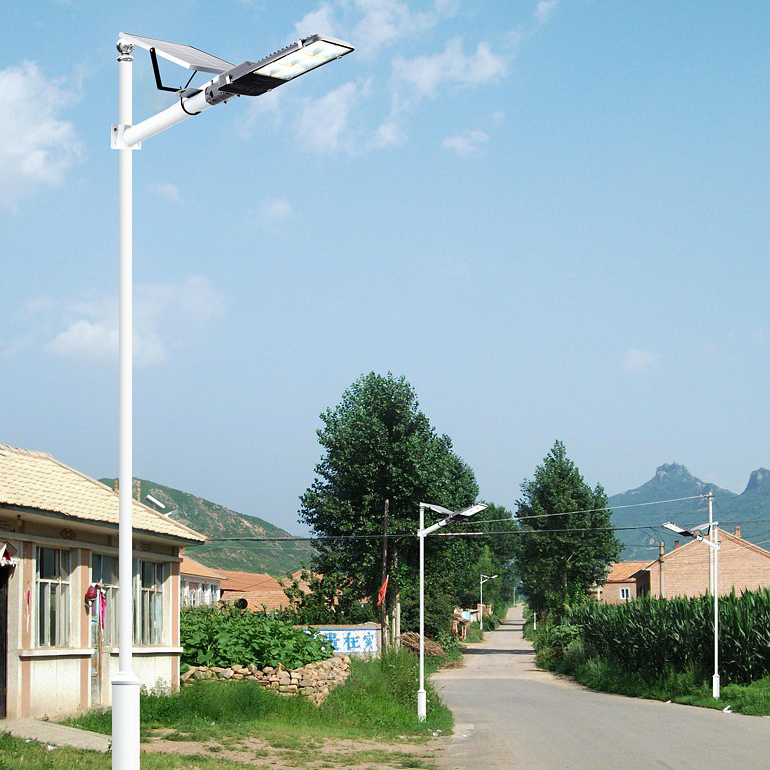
[228, 636]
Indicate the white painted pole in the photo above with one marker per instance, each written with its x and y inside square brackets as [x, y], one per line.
[715, 679]
[125, 684]
[422, 700]
[481, 602]
[711, 550]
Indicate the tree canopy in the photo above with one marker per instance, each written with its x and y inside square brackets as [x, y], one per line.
[557, 567]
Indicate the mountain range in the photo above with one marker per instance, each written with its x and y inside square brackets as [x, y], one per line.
[750, 509]
[217, 521]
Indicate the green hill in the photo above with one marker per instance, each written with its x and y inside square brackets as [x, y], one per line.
[216, 521]
[751, 509]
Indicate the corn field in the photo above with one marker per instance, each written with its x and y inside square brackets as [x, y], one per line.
[648, 635]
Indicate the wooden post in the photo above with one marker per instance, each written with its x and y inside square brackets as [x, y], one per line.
[383, 606]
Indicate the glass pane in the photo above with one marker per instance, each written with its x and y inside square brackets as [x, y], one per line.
[54, 640]
[63, 565]
[111, 571]
[41, 591]
[147, 574]
[97, 568]
[47, 563]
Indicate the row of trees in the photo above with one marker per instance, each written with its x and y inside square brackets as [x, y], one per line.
[381, 457]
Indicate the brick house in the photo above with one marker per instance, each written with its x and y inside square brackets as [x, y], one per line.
[684, 571]
[58, 538]
[198, 584]
[258, 589]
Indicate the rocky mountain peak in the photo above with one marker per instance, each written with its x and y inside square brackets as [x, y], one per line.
[673, 470]
[759, 480]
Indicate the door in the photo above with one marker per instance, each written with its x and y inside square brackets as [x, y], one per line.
[4, 575]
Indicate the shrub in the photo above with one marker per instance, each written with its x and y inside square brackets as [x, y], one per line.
[224, 637]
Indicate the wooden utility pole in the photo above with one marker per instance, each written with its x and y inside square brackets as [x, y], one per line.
[383, 606]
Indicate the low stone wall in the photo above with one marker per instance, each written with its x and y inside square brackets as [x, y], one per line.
[314, 681]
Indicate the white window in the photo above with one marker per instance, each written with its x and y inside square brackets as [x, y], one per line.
[52, 575]
[625, 594]
[148, 602]
[104, 571]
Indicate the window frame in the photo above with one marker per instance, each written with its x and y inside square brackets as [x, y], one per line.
[625, 593]
[59, 587]
[112, 592]
[149, 602]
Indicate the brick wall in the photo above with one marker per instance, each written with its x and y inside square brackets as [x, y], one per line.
[686, 571]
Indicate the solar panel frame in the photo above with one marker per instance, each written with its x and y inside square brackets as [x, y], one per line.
[180, 53]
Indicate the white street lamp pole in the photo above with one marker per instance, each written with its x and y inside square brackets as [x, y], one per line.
[125, 684]
[715, 549]
[422, 698]
[713, 544]
[483, 579]
[249, 79]
[422, 701]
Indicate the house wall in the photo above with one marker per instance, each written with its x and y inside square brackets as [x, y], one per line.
[610, 593]
[686, 572]
[56, 681]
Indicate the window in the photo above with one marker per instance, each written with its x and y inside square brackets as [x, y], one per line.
[104, 571]
[625, 594]
[53, 597]
[148, 602]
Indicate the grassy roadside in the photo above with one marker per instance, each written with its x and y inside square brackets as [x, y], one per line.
[685, 687]
[371, 721]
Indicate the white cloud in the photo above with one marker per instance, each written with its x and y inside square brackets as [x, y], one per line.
[274, 211]
[161, 311]
[323, 124]
[466, 143]
[638, 360]
[321, 21]
[544, 9]
[425, 74]
[37, 147]
[168, 191]
[387, 21]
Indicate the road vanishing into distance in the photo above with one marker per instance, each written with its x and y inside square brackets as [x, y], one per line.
[509, 715]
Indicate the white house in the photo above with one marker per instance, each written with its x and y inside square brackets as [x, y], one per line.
[58, 588]
[199, 584]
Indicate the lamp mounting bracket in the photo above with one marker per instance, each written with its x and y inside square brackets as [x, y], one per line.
[183, 91]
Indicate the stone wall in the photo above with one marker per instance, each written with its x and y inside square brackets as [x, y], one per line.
[314, 681]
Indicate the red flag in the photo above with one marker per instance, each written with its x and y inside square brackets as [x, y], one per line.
[383, 591]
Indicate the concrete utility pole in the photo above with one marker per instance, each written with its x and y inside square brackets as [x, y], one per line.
[383, 604]
[711, 550]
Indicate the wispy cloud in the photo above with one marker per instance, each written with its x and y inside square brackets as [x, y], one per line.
[324, 124]
[160, 311]
[273, 211]
[37, 147]
[424, 75]
[466, 143]
[638, 360]
[544, 10]
[168, 191]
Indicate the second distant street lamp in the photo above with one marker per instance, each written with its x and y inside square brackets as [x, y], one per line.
[483, 579]
[228, 81]
[713, 544]
[422, 700]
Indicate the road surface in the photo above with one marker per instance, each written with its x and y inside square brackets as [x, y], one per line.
[511, 716]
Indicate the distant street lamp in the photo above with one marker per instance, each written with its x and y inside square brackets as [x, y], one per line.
[483, 579]
[248, 78]
[714, 545]
[422, 701]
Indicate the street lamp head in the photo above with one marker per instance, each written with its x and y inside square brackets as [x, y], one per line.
[255, 78]
[473, 509]
[674, 528]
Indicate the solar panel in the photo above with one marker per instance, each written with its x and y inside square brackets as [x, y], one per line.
[184, 55]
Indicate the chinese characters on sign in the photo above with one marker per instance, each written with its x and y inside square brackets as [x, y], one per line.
[353, 641]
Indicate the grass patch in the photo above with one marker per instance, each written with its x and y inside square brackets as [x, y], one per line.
[379, 700]
[676, 686]
[18, 754]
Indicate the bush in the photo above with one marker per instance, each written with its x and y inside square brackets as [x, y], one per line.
[227, 636]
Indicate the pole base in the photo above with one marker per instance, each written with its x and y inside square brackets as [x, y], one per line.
[125, 721]
[715, 686]
[422, 705]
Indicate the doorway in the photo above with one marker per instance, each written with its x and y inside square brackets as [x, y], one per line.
[4, 575]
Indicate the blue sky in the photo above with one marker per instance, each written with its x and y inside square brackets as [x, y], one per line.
[551, 217]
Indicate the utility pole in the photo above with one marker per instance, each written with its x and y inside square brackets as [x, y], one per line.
[383, 606]
[711, 550]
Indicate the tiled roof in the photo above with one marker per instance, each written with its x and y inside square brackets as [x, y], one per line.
[260, 599]
[622, 570]
[36, 480]
[249, 581]
[191, 567]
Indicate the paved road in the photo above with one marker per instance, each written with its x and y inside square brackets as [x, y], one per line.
[511, 716]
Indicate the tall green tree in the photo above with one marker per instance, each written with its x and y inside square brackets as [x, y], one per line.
[556, 568]
[377, 446]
